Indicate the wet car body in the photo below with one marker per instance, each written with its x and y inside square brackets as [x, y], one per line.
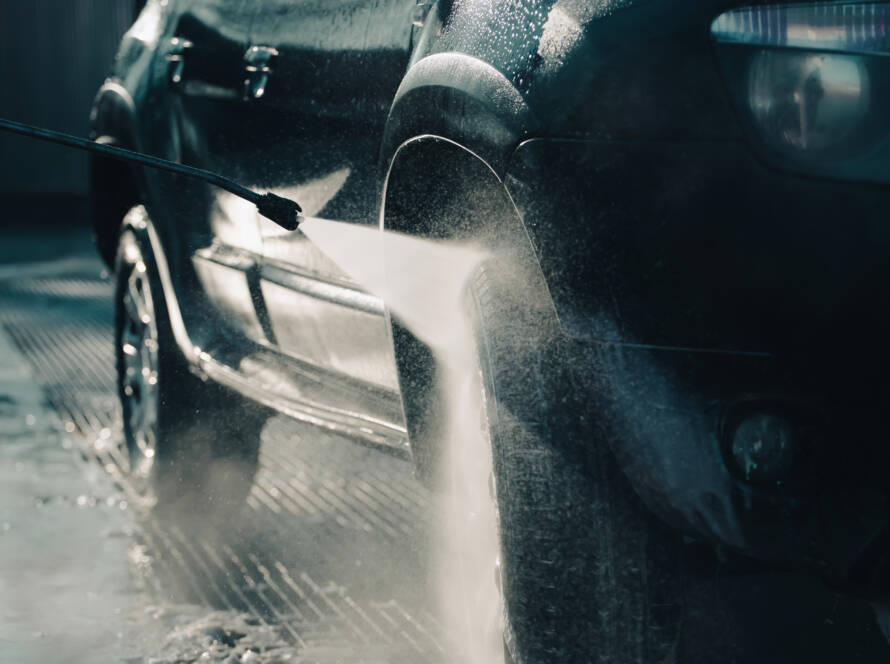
[702, 277]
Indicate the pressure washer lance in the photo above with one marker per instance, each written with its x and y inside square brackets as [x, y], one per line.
[283, 211]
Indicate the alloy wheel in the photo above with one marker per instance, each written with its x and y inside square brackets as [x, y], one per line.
[139, 380]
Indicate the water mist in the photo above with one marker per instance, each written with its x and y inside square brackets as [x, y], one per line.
[426, 290]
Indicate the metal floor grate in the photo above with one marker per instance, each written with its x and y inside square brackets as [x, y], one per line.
[331, 547]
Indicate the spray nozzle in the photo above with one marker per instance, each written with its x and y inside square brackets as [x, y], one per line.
[283, 211]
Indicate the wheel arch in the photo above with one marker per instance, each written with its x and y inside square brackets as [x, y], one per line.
[461, 98]
[438, 189]
[138, 221]
[114, 186]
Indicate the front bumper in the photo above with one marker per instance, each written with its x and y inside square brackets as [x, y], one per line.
[696, 284]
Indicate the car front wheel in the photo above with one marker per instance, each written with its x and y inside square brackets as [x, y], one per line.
[192, 446]
[583, 571]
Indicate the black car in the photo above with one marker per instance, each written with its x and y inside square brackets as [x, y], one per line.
[682, 322]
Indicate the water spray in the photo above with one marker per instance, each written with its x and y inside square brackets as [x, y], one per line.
[283, 211]
[430, 303]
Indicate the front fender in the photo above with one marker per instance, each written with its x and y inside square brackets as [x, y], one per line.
[462, 99]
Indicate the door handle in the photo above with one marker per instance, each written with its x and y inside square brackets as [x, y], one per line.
[192, 86]
[258, 67]
[177, 48]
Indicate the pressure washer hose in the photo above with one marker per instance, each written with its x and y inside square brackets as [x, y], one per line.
[283, 211]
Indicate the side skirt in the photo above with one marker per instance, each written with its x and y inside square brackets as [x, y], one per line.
[282, 384]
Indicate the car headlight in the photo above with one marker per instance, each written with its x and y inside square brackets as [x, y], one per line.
[811, 82]
[809, 102]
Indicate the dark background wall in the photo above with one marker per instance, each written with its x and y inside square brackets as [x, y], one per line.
[54, 55]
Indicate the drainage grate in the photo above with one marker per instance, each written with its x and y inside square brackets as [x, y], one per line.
[331, 547]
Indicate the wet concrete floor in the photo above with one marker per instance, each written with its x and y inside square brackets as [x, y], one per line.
[327, 561]
[63, 542]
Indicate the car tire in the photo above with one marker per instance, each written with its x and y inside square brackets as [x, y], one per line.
[192, 445]
[586, 573]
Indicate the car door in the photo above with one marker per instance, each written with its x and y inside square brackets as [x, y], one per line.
[204, 66]
[334, 70]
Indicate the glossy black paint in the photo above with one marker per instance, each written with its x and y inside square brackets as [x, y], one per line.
[693, 276]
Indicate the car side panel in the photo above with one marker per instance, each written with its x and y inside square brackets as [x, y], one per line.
[332, 82]
[138, 108]
[219, 231]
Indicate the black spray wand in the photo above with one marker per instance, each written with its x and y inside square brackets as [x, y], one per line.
[283, 211]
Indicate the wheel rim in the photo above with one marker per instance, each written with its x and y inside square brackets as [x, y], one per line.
[139, 378]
